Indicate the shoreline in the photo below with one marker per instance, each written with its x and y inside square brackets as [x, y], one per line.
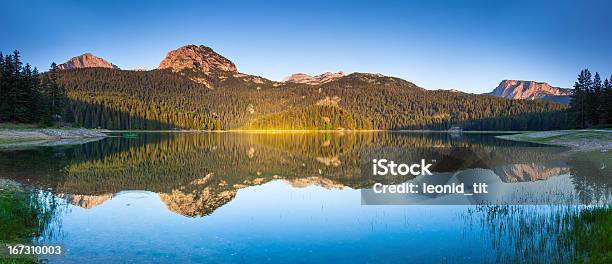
[582, 140]
[260, 131]
[577, 140]
[14, 138]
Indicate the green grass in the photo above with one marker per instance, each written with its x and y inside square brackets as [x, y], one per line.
[18, 216]
[547, 234]
[18, 261]
[582, 134]
[590, 233]
[23, 216]
[562, 136]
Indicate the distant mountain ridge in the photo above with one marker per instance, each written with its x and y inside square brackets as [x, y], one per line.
[86, 60]
[197, 88]
[530, 90]
[314, 80]
[208, 68]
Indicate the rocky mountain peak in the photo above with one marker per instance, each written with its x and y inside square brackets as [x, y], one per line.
[517, 89]
[199, 58]
[314, 80]
[86, 60]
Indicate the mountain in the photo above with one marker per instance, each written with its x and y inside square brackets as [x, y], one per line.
[314, 80]
[196, 88]
[198, 58]
[516, 89]
[86, 60]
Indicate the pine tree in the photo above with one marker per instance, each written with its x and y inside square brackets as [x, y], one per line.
[6, 87]
[38, 100]
[578, 100]
[606, 103]
[16, 88]
[54, 92]
[3, 86]
[23, 97]
[593, 99]
[24, 105]
[7, 76]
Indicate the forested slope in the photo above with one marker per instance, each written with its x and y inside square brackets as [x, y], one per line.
[161, 99]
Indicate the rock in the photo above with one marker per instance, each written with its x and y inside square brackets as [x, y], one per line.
[86, 60]
[530, 90]
[198, 58]
[314, 80]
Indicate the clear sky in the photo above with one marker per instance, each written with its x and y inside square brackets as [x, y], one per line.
[465, 45]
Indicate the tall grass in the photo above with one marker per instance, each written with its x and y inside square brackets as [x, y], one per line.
[590, 235]
[547, 234]
[24, 216]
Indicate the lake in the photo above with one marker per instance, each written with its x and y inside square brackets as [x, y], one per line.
[294, 197]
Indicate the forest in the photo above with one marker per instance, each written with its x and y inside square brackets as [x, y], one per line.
[591, 102]
[162, 100]
[27, 96]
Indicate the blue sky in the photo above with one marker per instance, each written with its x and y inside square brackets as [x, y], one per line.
[465, 45]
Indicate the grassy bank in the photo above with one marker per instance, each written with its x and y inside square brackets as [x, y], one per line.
[590, 234]
[24, 215]
[548, 234]
[580, 140]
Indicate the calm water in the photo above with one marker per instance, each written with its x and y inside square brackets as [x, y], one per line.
[230, 197]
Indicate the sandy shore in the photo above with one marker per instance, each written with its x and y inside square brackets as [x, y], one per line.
[19, 138]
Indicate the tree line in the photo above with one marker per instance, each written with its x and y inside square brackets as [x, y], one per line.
[160, 99]
[591, 100]
[27, 96]
[386, 103]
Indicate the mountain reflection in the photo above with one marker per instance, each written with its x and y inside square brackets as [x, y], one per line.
[196, 173]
